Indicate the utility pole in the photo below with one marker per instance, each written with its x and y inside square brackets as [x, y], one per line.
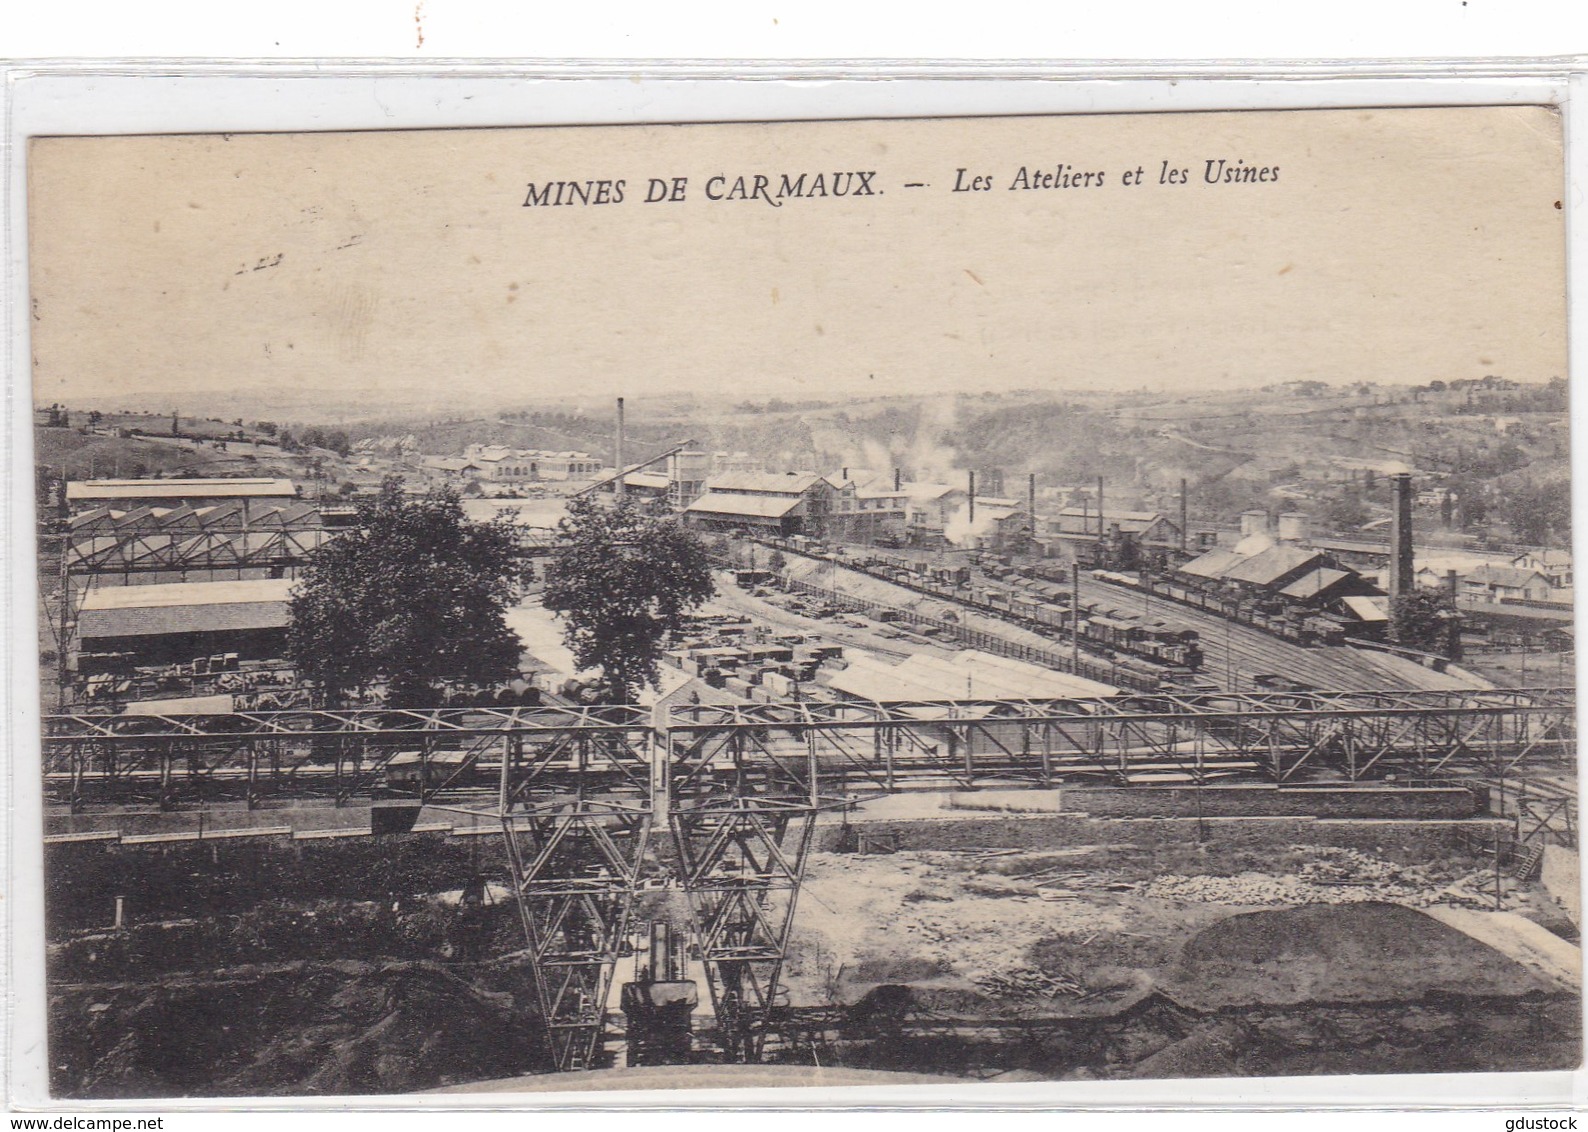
[1075, 615]
[63, 632]
[617, 487]
[1500, 795]
[1229, 656]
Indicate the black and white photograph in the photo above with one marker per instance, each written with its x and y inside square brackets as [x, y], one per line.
[916, 601]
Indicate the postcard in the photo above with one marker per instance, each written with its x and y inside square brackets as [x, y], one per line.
[933, 601]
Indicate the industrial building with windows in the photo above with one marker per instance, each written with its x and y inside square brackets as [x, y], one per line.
[122, 627]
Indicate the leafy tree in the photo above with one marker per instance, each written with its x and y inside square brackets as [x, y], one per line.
[1540, 513]
[413, 596]
[1421, 620]
[624, 578]
[1346, 512]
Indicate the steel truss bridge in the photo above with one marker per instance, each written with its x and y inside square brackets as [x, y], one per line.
[599, 805]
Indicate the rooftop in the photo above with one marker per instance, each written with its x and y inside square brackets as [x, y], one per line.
[1489, 574]
[185, 607]
[1315, 583]
[1269, 566]
[762, 483]
[759, 506]
[169, 594]
[180, 489]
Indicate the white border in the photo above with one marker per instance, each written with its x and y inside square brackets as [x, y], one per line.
[87, 98]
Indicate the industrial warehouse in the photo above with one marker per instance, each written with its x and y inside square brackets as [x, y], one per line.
[899, 665]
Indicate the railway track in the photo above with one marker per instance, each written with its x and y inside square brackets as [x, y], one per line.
[1232, 650]
[1233, 653]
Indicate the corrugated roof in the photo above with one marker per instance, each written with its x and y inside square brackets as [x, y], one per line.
[179, 489]
[1080, 520]
[761, 482]
[969, 675]
[97, 517]
[1268, 566]
[759, 506]
[1213, 563]
[1509, 576]
[1544, 558]
[1314, 583]
[1365, 608]
[1057, 683]
[924, 492]
[870, 679]
[137, 622]
[185, 705]
[652, 480]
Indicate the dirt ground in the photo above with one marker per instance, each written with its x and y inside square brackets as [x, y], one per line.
[1082, 929]
[1531, 669]
[1082, 963]
[323, 1028]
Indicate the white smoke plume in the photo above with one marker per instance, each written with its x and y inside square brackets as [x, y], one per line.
[919, 453]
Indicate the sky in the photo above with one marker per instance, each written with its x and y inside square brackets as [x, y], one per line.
[1397, 245]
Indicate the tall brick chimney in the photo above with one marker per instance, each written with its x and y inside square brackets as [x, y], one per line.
[1401, 576]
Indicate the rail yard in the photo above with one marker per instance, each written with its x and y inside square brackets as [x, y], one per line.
[898, 804]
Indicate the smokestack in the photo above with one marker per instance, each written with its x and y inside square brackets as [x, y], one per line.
[1453, 637]
[1185, 522]
[1099, 506]
[973, 498]
[898, 474]
[618, 487]
[1401, 578]
[1031, 501]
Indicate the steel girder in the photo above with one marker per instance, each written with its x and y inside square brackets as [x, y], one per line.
[576, 813]
[742, 811]
[142, 552]
[738, 788]
[862, 748]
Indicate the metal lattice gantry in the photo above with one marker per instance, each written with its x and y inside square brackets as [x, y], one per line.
[576, 806]
[742, 810]
[251, 756]
[184, 538]
[866, 747]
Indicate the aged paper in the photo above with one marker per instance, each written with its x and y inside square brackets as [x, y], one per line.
[1140, 647]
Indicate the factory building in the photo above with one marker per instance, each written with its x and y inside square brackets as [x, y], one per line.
[1498, 584]
[501, 464]
[866, 507]
[1555, 565]
[932, 506]
[913, 684]
[120, 627]
[251, 495]
[687, 473]
[1280, 574]
[1146, 527]
[994, 524]
[789, 504]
